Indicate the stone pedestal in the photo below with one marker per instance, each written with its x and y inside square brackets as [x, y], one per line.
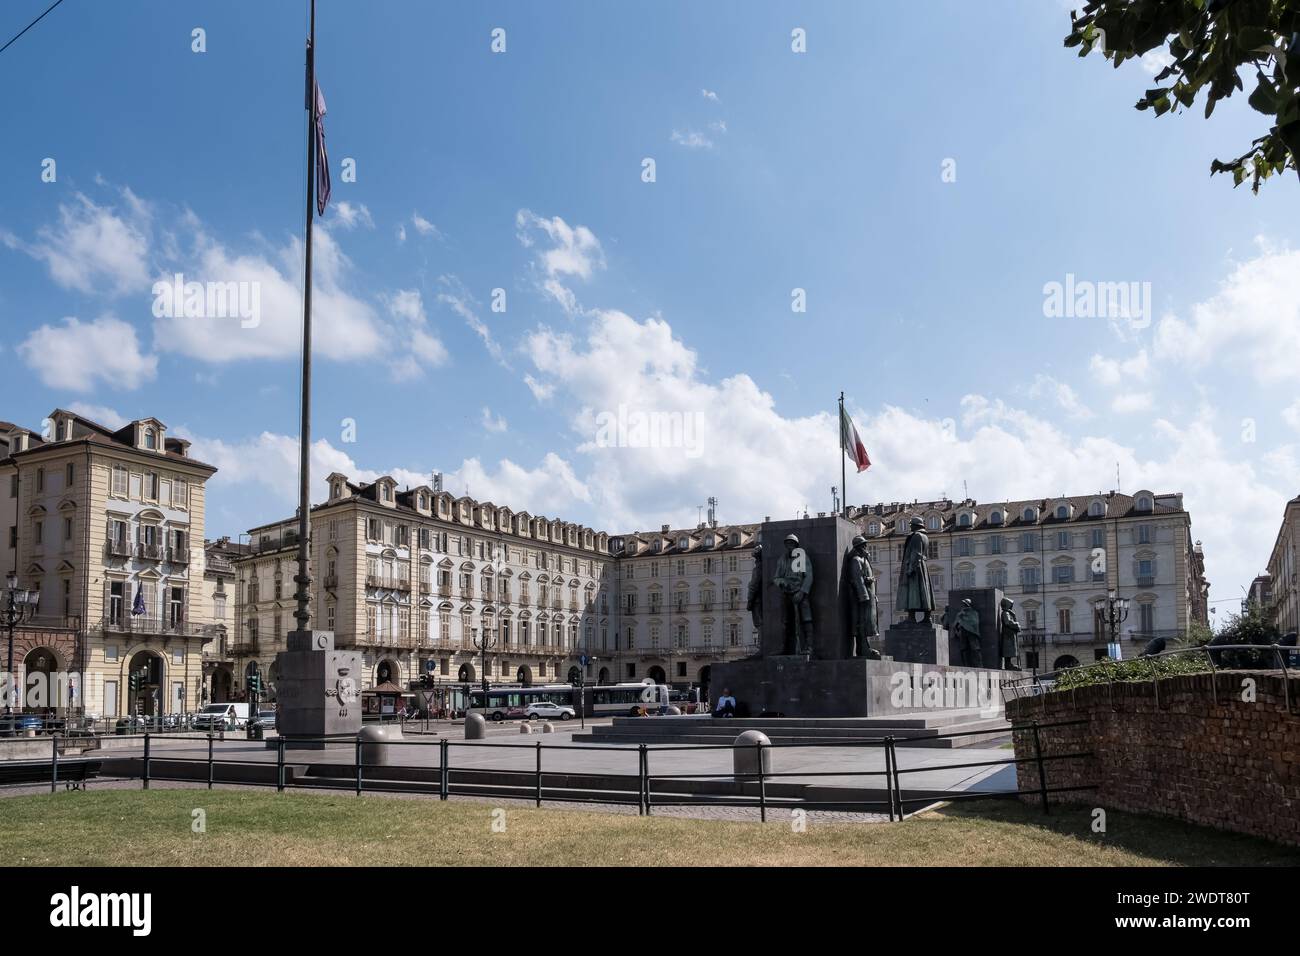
[917, 644]
[988, 602]
[826, 541]
[318, 689]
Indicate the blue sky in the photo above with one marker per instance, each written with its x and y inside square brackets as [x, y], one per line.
[774, 171]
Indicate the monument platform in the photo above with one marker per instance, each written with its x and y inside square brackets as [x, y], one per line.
[793, 686]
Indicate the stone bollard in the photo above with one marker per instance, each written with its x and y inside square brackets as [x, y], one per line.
[548, 728]
[475, 727]
[745, 756]
[525, 727]
[375, 738]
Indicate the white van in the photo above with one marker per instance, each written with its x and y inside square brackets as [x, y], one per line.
[229, 716]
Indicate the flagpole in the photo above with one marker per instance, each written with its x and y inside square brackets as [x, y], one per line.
[844, 487]
[303, 578]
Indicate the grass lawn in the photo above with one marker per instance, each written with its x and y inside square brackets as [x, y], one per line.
[133, 827]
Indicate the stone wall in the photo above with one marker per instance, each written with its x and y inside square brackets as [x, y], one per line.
[1175, 749]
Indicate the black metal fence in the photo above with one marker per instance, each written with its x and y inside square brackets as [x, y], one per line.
[749, 788]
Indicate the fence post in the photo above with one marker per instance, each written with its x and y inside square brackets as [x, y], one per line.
[539, 773]
[279, 765]
[145, 773]
[444, 776]
[762, 784]
[210, 764]
[898, 780]
[889, 774]
[358, 765]
[643, 782]
[1042, 772]
[54, 762]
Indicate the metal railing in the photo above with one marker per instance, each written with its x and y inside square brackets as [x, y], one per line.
[144, 624]
[749, 788]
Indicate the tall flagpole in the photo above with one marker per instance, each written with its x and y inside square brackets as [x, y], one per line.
[303, 578]
[844, 487]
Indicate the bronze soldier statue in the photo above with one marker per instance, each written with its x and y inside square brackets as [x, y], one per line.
[1008, 632]
[914, 592]
[794, 578]
[862, 600]
[967, 630]
[755, 603]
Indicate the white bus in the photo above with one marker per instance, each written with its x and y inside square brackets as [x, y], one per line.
[510, 702]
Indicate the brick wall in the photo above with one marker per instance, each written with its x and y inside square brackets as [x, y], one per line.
[1227, 763]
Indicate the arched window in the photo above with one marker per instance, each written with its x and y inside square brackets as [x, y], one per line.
[873, 528]
[1096, 509]
[932, 522]
[683, 542]
[1144, 503]
[1063, 511]
[963, 519]
[1029, 514]
[995, 517]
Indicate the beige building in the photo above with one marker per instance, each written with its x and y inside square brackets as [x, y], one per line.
[219, 589]
[1057, 558]
[416, 579]
[1284, 601]
[104, 523]
[681, 603]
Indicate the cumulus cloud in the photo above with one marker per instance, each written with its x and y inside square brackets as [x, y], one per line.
[423, 347]
[101, 414]
[455, 296]
[1047, 388]
[1251, 323]
[569, 251]
[493, 423]
[349, 215]
[78, 355]
[93, 248]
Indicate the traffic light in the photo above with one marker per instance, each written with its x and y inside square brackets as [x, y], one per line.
[134, 681]
[255, 684]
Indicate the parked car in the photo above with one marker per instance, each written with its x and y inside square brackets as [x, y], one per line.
[266, 717]
[228, 716]
[21, 725]
[549, 710]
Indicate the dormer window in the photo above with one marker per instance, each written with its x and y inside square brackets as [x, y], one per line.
[1096, 509]
[932, 523]
[734, 539]
[338, 489]
[1062, 512]
[995, 517]
[964, 519]
[150, 439]
[1029, 514]
[683, 543]
[708, 541]
[1144, 503]
[873, 528]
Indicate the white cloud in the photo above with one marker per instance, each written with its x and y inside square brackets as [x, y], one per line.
[424, 227]
[80, 355]
[1129, 402]
[101, 414]
[1111, 372]
[406, 306]
[709, 95]
[573, 251]
[349, 215]
[92, 248]
[1252, 322]
[343, 326]
[541, 390]
[1291, 414]
[493, 423]
[460, 301]
[1046, 387]
[718, 126]
[691, 139]
[1154, 61]
[401, 233]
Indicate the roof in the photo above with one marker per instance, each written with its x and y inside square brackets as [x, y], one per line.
[123, 438]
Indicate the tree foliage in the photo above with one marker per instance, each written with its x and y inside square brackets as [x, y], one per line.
[1206, 46]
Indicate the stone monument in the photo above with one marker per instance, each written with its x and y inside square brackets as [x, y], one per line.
[863, 619]
[318, 693]
[911, 640]
[986, 605]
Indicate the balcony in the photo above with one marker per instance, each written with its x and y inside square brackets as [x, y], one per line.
[247, 647]
[1029, 587]
[119, 548]
[149, 552]
[178, 555]
[133, 624]
[1146, 581]
[331, 582]
[425, 587]
[444, 590]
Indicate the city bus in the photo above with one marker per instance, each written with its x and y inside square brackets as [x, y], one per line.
[509, 702]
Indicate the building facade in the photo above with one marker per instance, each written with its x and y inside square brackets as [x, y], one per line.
[419, 580]
[1283, 603]
[1058, 559]
[103, 522]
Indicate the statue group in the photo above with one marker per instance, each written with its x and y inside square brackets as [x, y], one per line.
[915, 596]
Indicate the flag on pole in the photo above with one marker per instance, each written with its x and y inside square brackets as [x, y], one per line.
[322, 158]
[850, 443]
[137, 608]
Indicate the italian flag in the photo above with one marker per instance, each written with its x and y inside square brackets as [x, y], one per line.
[850, 443]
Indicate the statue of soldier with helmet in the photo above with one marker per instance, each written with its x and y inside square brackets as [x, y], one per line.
[914, 592]
[794, 579]
[863, 614]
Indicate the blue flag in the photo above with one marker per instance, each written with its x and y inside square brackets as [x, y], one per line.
[137, 608]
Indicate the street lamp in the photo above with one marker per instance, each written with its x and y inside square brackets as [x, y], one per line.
[19, 606]
[483, 644]
[1112, 612]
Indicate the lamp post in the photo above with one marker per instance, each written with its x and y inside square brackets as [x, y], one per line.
[19, 606]
[483, 644]
[1112, 612]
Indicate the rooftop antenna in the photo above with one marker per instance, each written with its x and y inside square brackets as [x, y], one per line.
[437, 481]
[835, 499]
[713, 511]
[699, 515]
[964, 492]
[1118, 486]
